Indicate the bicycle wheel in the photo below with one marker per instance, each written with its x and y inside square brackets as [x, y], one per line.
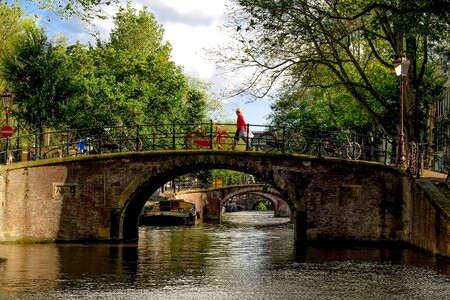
[132, 144]
[352, 150]
[296, 143]
[105, 143]
[224, 141]
[267, 142]
[327, 148]
[189, 141]
[194, 139]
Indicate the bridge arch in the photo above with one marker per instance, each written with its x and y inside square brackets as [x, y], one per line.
[133, 198]
[100, 197]
[281, 205]
[219, 196]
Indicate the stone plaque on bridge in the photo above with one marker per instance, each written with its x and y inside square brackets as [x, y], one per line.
[349, 193]
[64, 189]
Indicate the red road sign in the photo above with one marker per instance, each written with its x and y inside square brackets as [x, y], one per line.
[7, 131]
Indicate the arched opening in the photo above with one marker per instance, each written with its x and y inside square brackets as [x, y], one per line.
[125, 223]
[250, 197]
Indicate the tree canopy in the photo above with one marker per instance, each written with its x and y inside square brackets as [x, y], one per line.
[11, 24]
[40, 77]
[350, 45]
[128, 79]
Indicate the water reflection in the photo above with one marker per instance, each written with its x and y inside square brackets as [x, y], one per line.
[250, 256]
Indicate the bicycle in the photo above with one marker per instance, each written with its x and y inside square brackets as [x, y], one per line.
[269, 141]
[348, 149]
[412, 159]
[61, 144]
[198, 139]
[112, 140]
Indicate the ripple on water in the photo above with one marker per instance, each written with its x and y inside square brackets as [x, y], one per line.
[239, 259]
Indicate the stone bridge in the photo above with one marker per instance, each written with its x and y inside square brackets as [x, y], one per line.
[217, 197]
[100, 197]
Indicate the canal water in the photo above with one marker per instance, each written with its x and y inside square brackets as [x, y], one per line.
[249, 256]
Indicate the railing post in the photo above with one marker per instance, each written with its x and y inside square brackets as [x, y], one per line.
[419, 159]
[7, 151]
[385, 149]
[210, 134]
[154, 139]
[122, 138]
[18, 148]
[99, 133]
[137, 138]
[320, 144]
[174, 145]
[34, 146]
[283, 141]
[247, 139]
[352, 142]
[37, 146]
[67, 143]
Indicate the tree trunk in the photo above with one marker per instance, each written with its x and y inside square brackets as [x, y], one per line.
[412, 126]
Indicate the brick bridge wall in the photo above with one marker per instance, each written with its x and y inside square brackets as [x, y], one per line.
[100, 197]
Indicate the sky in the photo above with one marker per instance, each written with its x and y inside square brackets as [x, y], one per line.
[191, 26]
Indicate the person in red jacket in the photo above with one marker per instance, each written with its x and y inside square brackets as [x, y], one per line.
[241, 130]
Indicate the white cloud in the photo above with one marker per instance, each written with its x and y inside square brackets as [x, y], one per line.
[190, 45]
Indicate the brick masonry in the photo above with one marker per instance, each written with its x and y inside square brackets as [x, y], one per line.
[100, 197]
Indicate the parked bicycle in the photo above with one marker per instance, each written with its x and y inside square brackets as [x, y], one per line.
[330, 146]
[272, 140]
[59, 144]
[113, 140]
[198, 139]
[412, 159]
[415, 159]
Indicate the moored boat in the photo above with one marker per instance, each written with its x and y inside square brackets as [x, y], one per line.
[169, 212]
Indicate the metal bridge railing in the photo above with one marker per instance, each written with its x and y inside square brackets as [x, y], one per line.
[210, 135]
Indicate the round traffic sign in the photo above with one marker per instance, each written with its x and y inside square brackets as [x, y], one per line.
[7, 131]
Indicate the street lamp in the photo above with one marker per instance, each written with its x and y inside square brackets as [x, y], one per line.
[401, 69]
[6, 103]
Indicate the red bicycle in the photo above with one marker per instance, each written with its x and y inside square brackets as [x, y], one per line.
[198, 139]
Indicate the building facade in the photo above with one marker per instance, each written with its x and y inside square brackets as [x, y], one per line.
[440, 126]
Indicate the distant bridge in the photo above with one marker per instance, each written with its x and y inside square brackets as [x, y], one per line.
[217, 197]
[100, 197]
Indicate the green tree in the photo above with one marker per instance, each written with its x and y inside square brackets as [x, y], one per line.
[11, 24]
[261, 206]
[130, 79]
[138, 32]
[126, 80]
[147, 77]
[94, 102]
[40, 76]
[350, 39]
[321, 103]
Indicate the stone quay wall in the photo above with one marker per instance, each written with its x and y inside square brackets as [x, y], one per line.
[430, 219]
